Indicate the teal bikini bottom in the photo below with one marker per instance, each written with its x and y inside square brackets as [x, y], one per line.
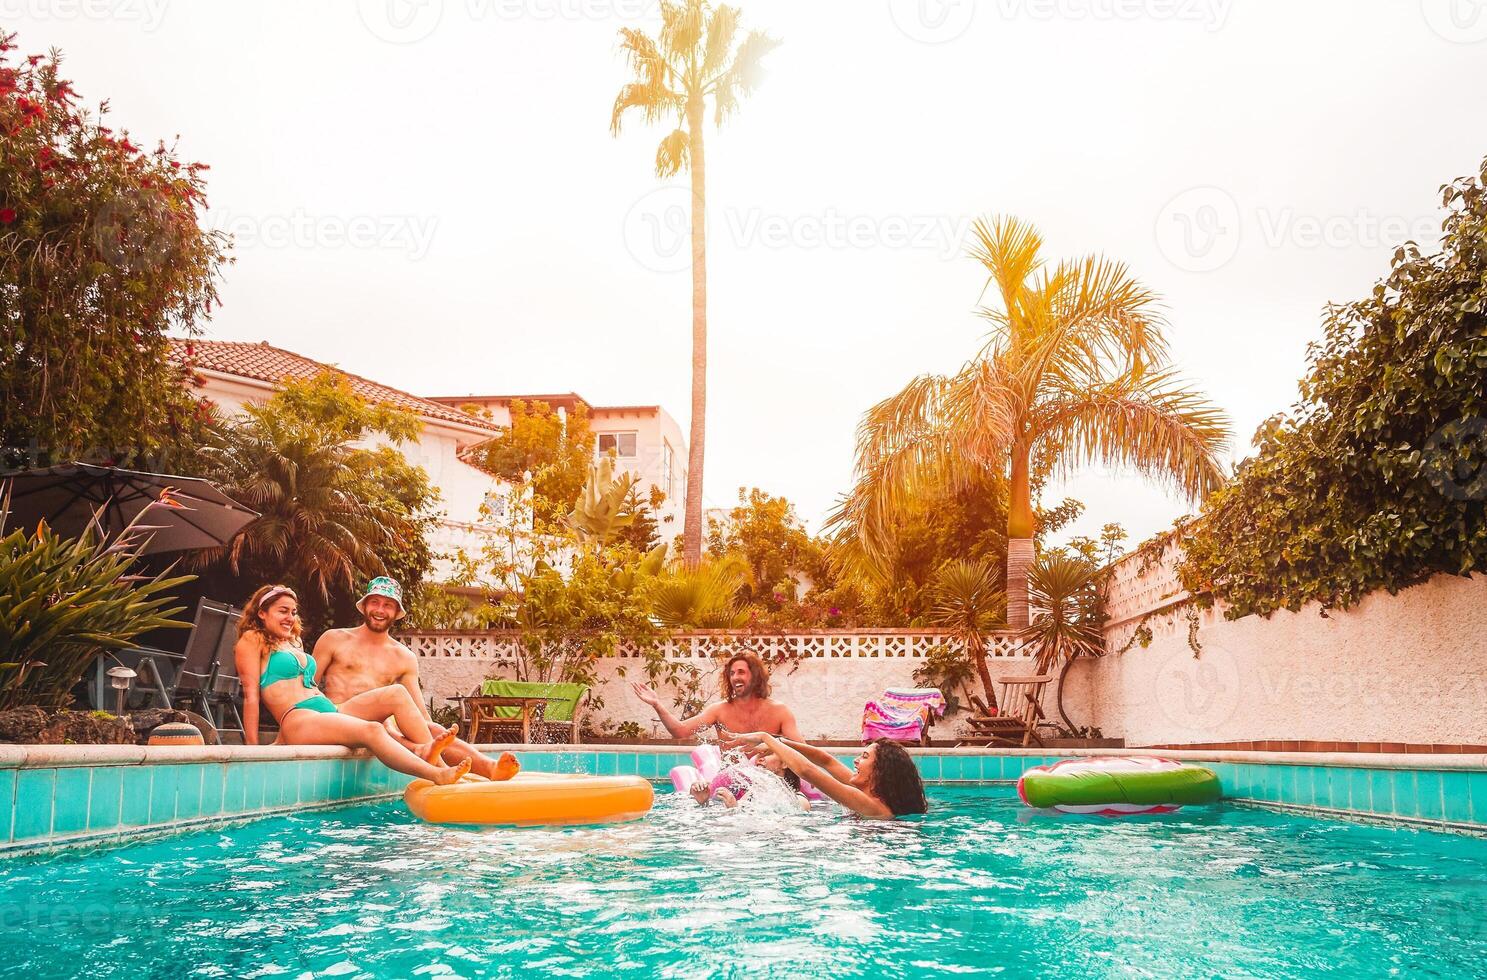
[319, 703]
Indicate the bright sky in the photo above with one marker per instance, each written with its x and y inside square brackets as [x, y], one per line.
[426, 191]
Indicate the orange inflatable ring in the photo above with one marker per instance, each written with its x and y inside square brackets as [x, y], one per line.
[531, 798]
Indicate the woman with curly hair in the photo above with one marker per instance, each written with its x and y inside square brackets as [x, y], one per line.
[884, 782]
[276, 672]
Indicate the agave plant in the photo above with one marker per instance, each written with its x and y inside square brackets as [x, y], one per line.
[969, 601]
[705, 597]
[62, 600]
[1063, 591]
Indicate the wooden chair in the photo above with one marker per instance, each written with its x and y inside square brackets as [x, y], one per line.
[1020, 699]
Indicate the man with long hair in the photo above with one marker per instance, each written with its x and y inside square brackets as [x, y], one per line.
[745, 706]
[367, 657]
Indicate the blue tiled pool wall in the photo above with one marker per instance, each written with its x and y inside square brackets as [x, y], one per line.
[1450, 797]
[66, 806]
[84, 804]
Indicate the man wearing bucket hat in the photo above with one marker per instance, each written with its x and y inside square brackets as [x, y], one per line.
[366, 657]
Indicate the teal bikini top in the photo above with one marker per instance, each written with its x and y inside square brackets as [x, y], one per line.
[283, 665]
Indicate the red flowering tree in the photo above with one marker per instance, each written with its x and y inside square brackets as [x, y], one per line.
[101, 257]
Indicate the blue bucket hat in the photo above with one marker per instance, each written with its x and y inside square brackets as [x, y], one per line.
[387, 588]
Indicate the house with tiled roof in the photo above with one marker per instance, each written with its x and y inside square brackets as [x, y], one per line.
[645, 440]
[233, 374]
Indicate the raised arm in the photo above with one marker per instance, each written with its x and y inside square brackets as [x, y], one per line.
[678, 727]
[825, 780]
[246, 654]
[754, 742]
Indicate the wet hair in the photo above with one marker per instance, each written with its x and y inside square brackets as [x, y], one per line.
[759, 688]
[791, 779]
[896, 779]
[249, 622]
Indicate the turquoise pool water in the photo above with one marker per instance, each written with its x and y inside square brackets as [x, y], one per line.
[979, 886]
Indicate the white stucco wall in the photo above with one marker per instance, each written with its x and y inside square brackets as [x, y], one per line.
[826, 694]
[1409, 668]
[654, 430]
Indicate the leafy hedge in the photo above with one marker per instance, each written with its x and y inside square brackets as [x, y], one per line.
[1378, 479]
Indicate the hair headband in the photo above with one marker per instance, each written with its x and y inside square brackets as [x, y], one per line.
[274, 593]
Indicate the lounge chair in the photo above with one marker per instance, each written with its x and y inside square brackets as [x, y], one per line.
[506, 711]
[207, 680]
[1016, 724]
[902, 714]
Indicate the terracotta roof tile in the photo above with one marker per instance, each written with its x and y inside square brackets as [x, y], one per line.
[264, 362]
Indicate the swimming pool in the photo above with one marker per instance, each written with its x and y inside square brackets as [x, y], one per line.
[981, 885]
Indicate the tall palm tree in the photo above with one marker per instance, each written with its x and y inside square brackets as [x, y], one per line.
[1074, 369]
[691, 60]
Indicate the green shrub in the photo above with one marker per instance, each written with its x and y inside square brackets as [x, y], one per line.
[61, 601]
[1378, 478]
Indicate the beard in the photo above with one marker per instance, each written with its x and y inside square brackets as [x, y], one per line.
[377, 626]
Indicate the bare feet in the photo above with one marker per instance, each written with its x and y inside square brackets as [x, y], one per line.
[451, 774]
[506, 767]
[430, 752]
[496, 770]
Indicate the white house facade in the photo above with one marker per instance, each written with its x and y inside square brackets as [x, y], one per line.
[645, 440]
[233, 374]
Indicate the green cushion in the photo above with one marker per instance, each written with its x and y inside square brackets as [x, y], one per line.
[561, 710]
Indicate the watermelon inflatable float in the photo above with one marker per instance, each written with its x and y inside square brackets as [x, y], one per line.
[1117, 786]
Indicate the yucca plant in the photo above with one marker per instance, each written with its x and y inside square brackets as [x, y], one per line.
[969, 601]
[62, 600]
[1063, 591]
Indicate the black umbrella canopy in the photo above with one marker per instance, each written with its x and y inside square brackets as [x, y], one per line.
[185, 513]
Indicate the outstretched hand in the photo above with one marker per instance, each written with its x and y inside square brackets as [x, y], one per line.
[644, 694]
[753, 744]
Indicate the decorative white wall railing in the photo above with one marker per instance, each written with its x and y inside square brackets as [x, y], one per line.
[1140, 584]
[711, 644]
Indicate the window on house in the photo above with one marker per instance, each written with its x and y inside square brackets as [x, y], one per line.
[666, 469]
[622, 444]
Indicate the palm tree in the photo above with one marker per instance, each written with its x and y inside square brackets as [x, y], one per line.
[1074, 369]
[692, 59]
[704, 597]
[970, 602]
[1065, 596]
[321, 528]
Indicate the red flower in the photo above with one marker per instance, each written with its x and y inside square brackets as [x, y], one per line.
[7, 215]
[34, 60]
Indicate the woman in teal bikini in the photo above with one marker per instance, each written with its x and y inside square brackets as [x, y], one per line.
[278, 674]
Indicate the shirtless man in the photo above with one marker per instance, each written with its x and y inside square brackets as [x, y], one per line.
[365, 657]
[746, 703]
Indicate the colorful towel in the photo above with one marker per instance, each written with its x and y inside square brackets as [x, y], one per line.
[902, 714]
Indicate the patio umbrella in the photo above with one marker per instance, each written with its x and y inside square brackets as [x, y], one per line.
[186, 513]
